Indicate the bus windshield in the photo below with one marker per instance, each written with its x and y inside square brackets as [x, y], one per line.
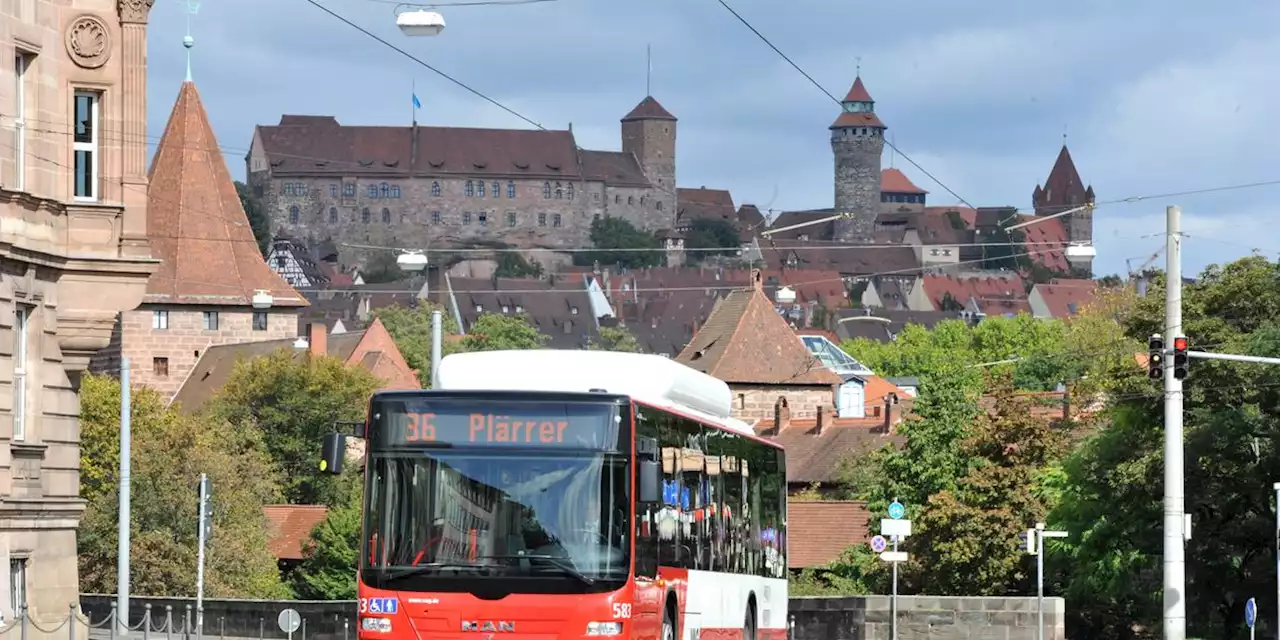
[454, 514]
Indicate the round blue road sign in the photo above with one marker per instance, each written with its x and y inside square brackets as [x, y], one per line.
[879, 544]
[1251, 612]
[896, 510]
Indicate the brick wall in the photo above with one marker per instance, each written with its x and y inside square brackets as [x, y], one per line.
[186, 338]
[757, 402]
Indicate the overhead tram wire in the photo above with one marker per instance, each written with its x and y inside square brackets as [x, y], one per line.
[836, 100]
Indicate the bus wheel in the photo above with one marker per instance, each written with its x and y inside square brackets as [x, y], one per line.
[668, 625]
[749, 625]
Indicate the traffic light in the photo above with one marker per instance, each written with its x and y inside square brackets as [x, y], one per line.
[1180, 358]
[1155, 357]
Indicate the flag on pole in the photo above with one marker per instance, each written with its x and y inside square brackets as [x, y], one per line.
[417, 104]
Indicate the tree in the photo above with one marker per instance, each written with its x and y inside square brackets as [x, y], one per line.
[259, 221]
[711, 237]
[621, 243]
[170, 451]
[382, 268]
[328, 569]
[292, 402]
[513, 265]
[615, 339]
[410, 328]
[496, 332]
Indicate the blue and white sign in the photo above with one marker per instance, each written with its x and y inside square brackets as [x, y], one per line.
[896, 510]
[1251, 612]
[879, 544]
[389, 606]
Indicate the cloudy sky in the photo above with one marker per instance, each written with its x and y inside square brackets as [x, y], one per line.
[1155, 96]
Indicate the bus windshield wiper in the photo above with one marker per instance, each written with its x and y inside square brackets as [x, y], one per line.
[551, 560]
[428, 568]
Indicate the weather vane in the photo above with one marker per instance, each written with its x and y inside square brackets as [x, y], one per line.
[192, 7]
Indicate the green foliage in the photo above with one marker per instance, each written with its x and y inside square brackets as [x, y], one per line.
[711, 237]
[328, 570]
[410, 328]
[1006, 250]
[513, 265]
[615, 339]
[258, 220]
[293, 402]
[382, 268]
[625, 245]
[496, 332]
[1110, 566]
[169, 453]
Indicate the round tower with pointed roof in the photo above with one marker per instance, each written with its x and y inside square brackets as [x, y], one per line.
[857, 142]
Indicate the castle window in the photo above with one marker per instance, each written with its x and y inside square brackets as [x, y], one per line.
[511, 218]
[631, 199]
[349, 190]
[160, 367]
[555, 220]
[21, 365]
[595, 217]
[395, 191]
[211, 321]
[373, 191]
[333, 215]
[466, 218]
[385, 189]
[364, 215]
[559, 192]
[386, 216]
[470, 190]
[570, 191]
[511, 190]
[435, 217]
[483, 219]
[288, 188]
[294, 214]
[497, 189]
[658, 205]
[479, 188]
[333, 191]
[542, 219]
[435, 189]
[546, 191]
[160, 320]
[259, 320]
[617, 199]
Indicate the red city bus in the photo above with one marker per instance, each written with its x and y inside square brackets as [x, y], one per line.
[558, 494]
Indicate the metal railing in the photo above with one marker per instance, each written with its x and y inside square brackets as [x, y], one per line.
[151, 626]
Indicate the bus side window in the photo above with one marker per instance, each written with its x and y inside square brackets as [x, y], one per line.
[646, 525]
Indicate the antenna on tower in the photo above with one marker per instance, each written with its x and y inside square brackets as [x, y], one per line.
[858, 68]
[648, 76]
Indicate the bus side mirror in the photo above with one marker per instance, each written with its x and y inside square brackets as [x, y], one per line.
[333, 453]
[650, 481]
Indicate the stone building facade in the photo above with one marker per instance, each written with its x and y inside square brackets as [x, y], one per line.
[211, 268]
[439, 187]
[73, 253]
[857, 141]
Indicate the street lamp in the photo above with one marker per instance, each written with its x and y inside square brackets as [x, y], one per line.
[785, 295]
[1033, 539]
[417, 21]
[262, 299]
[412, 261]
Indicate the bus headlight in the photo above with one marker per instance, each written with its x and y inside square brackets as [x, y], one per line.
[604, 628]
[376, 625]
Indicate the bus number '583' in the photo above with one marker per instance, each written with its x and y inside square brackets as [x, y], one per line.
[621, 610]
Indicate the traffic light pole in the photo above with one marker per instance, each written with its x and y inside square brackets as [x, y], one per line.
[1175, 576]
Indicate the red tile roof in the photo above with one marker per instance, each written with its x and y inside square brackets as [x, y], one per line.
[746, 341]
[818, 532]
[895, 181]
[196, 223]
[815, 455]
[1046, 241]
[1063, 189]
[291, 527]
[860, 119]
[649, 109]
[1064, 298]
[993, 295]
[968, 214]
[858, 92]
[696, 204]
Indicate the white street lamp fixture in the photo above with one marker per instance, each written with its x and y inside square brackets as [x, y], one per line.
[413, 261]
[785, 295]
[418, 22]
[262, 299]
[301, 343]
[1081, 251]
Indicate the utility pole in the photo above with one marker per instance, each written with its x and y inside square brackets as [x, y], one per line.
[204, 526]
[122, 552]
[1175, 576]
[437, 328]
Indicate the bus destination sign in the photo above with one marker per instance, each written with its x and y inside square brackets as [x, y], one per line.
[551, 425]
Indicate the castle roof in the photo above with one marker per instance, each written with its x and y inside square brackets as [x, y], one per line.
[1063, 188]
[857, 93]
[649, 109]
[197, 225]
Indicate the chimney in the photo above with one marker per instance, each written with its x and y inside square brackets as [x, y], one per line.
[757, 280]
[817, 430]
[889, 400]
[781, 416]
[318, 336]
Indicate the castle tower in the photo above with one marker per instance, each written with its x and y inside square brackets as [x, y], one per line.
[649, 132]
[857, 141]
[1063, 190]
[210, 266]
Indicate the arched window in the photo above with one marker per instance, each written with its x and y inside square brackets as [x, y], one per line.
[559, 192]
[546, 191]
[470, 190]
[570, 191]
[333, 215]
[435, 189]
[395, 191]
[294, 214]
[659, 205]
[364, 215]
[386, 216]
[511, 190]
[479, 188]
[386, 190]
[497, 189]
[373, 191]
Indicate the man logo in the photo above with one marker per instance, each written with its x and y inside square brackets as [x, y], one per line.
[500, 626]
